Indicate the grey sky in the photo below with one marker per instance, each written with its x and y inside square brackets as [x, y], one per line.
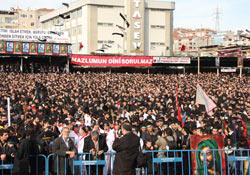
[188, 14]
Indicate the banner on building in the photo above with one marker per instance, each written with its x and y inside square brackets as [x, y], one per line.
[208, 147]
[229, 53]
[17, 47]
[33, 49]
[2, 47]
[63, 49]
[228, 69]
[111, 61]
[48, 50]
[56, 49]
[10, 46]
[26, 48]
[41, 48]
[33, 35]
[172, 60]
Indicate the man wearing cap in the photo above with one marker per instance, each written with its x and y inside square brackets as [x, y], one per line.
[127, 150]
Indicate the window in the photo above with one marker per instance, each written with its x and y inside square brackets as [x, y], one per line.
[157, 44]
[32, 24]
[105, 42]
[105, 24]
[79, 12]
[31, 16]
[24, 16]
[73, 14]
[8, 20]
[157, 26]
[79, 30]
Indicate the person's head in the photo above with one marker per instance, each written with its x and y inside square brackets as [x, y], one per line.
[126, 128]
[83, 131]
[96, 128]
[214, 131]
[150, 128]
[148, 144]
[94, 135]
[106, 127]
[65, 132]
[75, 128]
[4, 135]
[143, 129]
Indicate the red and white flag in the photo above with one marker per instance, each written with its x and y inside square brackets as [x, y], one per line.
[203, 99]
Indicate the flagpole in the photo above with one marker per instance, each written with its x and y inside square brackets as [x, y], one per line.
[198, 60]
[8, 108]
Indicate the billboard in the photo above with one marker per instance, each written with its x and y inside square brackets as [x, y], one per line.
[33, 35]
[111, 61]
[172, 60]
[2, 47]
[10, 46]
[17, 47]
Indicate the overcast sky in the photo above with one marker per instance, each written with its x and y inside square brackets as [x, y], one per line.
[234, 14]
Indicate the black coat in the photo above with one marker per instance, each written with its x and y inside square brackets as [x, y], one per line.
[89, 144]
[127, 150]
[24, 156]
[60, 148]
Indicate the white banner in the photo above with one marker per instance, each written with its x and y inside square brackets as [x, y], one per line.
[228, 69]
[172, 60]
[34, 35]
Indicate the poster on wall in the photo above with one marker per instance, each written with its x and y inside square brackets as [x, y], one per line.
[63, 49]
[33, 48]
[48, 49]
[41, 48]
[9, 46]
[26, 47]
[207, 148]
[2, 47]
[17, 47]
[56, 49]
[69, 49]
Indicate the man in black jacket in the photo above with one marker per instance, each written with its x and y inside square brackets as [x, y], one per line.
[96, 146]
[127, 150]
[65, 151]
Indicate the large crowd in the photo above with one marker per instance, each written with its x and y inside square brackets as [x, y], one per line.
[43, 104]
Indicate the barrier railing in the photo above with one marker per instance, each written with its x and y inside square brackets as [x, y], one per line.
[160, 162]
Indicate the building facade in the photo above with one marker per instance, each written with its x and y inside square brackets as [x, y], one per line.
[188, 41]
[22, 18]
[129, 27]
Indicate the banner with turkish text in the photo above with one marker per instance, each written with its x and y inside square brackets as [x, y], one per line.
[172, 60]
[112, 61]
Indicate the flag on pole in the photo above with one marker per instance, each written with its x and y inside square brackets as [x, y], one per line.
[177, 105]
[203, 99]
[184, 117]
[8, 108]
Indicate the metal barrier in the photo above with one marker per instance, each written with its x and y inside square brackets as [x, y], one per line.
[159, 162]
[86, 164]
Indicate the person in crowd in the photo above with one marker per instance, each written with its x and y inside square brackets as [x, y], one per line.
[95, 144]
[127, 150]
[65, 151]
[102, 102]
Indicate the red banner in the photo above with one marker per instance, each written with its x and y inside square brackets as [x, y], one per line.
[112, 61]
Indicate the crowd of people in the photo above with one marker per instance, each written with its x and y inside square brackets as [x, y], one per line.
[92, 107]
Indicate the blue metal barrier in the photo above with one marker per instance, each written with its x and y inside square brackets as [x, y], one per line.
[160, 162]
